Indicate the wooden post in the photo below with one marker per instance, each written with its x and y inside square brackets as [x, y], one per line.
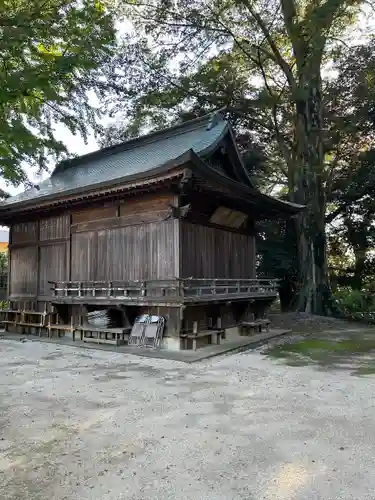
[72, 327]
[43, 320]
[81, 313]
[195, 332]
[49, 326]
[180, 288]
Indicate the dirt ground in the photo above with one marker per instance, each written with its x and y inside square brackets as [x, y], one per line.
[84, 424]
[307, 323]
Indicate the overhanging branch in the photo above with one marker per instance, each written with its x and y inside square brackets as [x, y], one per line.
[271, 42]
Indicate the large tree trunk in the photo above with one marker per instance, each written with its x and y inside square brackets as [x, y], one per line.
[307, 187]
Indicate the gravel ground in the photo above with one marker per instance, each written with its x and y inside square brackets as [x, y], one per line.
[304, 322]
[78, 424]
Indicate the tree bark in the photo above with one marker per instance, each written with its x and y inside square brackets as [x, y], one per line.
[306, 170]
[307, 187]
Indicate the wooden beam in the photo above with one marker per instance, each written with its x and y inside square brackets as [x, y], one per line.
[44, 243]
[116, 222]
[57, 205]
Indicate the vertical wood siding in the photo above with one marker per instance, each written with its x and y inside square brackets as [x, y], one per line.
[23, 271]
[83, 256]
[54, 228]
[133, 252]
[208, 252]
[52, 266]
[24, 232]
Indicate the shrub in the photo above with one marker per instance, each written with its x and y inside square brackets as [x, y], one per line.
[356, 304]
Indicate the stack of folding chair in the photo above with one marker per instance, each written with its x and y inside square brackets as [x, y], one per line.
[98, 319]
[137, 331]
[147, 331]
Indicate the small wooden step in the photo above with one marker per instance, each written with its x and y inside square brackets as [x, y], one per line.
[119, 334]
[87, 328]
[100, 340]
[201, 334]
[256, 324]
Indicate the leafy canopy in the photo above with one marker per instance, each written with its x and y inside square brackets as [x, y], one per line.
[263, 60]
[52, 52]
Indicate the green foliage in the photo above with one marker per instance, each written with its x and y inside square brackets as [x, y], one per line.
[3, 261]
[277, 258]
[247, 56]
[52, 53]
[263, 61]
[356, 304]
[277, 252]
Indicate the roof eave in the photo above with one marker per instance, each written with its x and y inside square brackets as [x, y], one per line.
[285, 207]
[214, 145]
[120, 183]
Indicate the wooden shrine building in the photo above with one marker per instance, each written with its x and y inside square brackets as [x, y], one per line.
[162, 224]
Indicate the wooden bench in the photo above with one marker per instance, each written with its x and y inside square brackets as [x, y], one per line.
[196, 334]
[33, 319]
[10, 317]
[256, 325]
[118, 335]
[59, 327]
[23, 319]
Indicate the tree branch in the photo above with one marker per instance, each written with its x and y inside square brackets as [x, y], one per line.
[279, 138]
[277, 54]
[293, 28]
[332, 216]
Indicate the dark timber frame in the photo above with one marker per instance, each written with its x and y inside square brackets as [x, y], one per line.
[176, 238]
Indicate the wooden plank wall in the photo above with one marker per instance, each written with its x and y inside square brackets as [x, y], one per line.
[121, 241]
[54, 243]
[134, 252]
[24, 271]
[128, 241]
[38, 253]
[209, 252]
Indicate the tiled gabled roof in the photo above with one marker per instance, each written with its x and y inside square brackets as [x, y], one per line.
[137, 156]
[144, 158]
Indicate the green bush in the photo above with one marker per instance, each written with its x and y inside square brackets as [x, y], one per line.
[356, 304]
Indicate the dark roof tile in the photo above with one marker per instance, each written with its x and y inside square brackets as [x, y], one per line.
[136, 156]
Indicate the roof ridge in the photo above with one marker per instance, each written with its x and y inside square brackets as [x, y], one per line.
[212, 118]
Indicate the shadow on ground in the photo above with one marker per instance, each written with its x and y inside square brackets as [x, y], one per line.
[354, 352]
